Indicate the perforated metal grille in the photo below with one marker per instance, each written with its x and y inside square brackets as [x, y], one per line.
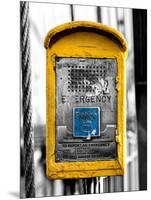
[81, 78]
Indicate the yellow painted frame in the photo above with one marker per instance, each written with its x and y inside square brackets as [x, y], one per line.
[91, 40]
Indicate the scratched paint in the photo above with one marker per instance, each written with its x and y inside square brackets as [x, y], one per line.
[83, 39]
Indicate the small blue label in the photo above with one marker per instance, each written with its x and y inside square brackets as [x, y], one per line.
[86, 122]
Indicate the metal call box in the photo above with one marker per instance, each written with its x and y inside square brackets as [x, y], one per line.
[85, 88]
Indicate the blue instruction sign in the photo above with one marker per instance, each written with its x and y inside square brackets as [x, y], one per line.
[86, 122]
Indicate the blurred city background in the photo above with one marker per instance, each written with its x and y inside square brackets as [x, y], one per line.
[132, 23]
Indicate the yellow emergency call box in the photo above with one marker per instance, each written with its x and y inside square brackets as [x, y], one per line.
[85, 101]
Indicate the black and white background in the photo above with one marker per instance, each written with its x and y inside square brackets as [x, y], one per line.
[10, 109]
